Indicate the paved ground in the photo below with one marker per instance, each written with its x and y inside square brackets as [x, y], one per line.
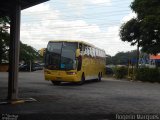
[93, 100]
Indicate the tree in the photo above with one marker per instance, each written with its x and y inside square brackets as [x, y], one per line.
[121, 58]
[145, 29]
[130, 32]
[27, 53]
[4, 38]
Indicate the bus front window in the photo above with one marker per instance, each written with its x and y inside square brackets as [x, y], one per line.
[61, 55]
[68, 59]
[53, 55]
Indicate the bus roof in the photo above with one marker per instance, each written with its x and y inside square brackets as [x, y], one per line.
[79, 41]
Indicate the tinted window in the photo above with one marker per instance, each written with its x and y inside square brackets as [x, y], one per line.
[54, 47]
[68, 57]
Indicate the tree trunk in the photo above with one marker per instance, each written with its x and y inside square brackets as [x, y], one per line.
[137, 64]
[0, 59]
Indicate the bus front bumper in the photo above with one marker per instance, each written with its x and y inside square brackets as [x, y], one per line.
[61, 77]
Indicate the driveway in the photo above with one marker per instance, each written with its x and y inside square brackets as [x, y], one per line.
[100, 100]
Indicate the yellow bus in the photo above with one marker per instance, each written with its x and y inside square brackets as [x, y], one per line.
[73, 61]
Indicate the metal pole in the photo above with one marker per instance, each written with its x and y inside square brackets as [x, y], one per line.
[14, 50]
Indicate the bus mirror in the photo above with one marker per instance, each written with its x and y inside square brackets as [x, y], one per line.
[77, 52]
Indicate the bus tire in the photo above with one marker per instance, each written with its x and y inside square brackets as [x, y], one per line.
[99, 77]
[82, 80]
[56, 82]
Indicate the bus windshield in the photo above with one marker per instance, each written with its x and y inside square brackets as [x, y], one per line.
[61, 56]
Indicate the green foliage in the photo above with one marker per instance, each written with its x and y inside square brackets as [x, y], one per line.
[130, 31]
[120, 72]
[4, 38]
[148, 74]
[4, 22]
[144, 29]
[121, 58]
[151, 30]
[146, 7]
[28, 53]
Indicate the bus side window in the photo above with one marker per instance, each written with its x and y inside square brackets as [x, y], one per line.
[87, 51]
[98, 53]
[90, 51]
[81, 49]
[80, 46]
[94, 52]
[104, 55]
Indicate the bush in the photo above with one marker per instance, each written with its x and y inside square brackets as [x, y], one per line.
[148, 74]
[120, 72]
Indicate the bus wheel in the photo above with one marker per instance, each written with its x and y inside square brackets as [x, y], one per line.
[99, 77]
[82, 80]
[56, 82]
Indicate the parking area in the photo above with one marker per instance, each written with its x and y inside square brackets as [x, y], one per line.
[108, 97]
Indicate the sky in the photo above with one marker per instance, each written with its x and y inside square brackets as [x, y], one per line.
[94, 21]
